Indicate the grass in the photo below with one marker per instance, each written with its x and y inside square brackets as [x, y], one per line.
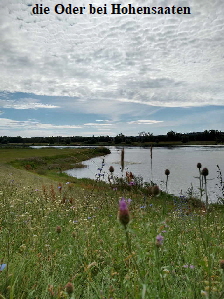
[49, 162]
[54, 232]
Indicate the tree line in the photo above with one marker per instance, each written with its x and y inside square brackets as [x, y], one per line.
[143, 137]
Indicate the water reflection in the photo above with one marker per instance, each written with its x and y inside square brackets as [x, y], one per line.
[181, 161]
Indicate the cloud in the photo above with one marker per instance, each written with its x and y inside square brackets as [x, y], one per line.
[115, 69]
[171, 61]
[144, 122]
[25, 103]
[10, 123]
[102, 120]
[97, 125]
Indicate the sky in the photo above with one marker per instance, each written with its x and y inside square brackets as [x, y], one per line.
[105, 74]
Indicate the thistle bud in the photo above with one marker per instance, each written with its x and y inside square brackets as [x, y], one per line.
[111, 169]
[204, 171]
[123, 213]
[155, 190]
[159, 240]
[167, 172]
[199, 165]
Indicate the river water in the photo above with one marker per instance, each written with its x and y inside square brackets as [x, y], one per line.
[181, 161]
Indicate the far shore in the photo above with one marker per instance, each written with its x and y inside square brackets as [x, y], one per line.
[123, 144]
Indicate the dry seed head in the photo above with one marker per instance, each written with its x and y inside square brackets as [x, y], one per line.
[155, 190]
[204, 171]
[111, 169]
[69, 288]
[167, 172]
[58, 229]
[199, 165]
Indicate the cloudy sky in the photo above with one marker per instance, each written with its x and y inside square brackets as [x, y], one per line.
[73, 74]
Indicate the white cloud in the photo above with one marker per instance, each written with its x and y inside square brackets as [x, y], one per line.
[25, 103]
[102, 120]
[145, 122]
[169, 61]
[31, 124]
[97, 125]
[118, 67]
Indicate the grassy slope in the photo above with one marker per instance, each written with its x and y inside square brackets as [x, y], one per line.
[91, 249]
[49, 161]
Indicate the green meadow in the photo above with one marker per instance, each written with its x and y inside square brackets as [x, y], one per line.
[61, 237]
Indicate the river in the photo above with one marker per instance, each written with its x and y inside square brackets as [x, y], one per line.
[181, 161]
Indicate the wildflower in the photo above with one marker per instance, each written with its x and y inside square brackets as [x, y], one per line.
[69, 288]
[58, 229]
[142, 207]
[159, 240]
[123, 213]
[189, 266]
[166, 271]
[59, 187]
[2, 267]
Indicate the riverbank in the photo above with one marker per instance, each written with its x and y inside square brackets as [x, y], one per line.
[62, 240]
[122, 144]
[49, 162]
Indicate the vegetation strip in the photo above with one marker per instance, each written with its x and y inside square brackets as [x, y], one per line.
[63, 239]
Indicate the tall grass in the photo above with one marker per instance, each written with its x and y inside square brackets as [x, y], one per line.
[63, 240]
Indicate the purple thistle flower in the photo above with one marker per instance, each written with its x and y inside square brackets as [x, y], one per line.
[123, 212]
[159, 240]
[122, 205]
